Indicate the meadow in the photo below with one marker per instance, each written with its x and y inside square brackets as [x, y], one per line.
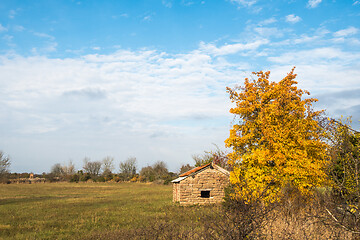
[146, 211]
[90, 211]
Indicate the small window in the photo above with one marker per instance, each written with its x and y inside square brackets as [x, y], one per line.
[205, 194]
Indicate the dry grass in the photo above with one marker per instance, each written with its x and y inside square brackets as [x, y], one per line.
[289, 221]
[145, 211]
[75, 211]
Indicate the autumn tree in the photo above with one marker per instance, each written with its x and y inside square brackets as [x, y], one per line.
[276, 140]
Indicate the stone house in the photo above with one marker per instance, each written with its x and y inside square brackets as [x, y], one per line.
[201, 185]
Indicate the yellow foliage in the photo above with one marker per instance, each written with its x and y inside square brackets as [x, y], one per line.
[277, 140]
[134, 179]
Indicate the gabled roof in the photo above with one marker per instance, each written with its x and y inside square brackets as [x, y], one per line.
[199, 169]
[194, 170]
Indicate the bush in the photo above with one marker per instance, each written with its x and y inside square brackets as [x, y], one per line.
[116, 179]
[100, 179]
[134, 179]
[157, 173]
[75, 178]
[84, 177]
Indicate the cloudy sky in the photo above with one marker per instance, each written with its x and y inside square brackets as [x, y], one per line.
[147, 78]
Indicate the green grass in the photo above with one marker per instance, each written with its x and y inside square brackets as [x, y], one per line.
[80, 210]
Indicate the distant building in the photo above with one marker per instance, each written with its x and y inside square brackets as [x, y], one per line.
[201, 185]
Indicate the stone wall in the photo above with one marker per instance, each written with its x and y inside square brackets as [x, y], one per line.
[176, 192]
[188, 191]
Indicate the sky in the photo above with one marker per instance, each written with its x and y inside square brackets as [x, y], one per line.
[148, 78]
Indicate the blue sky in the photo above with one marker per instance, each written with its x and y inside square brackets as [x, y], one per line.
[147, 78]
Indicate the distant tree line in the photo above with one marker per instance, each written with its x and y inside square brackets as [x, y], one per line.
[104, 170]
[95, 171]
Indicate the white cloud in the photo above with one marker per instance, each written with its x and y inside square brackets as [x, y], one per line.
[123, 15]
[305, 39]
[267, 21]
[232, 48]
[356, 3]
[8, 38]
[266, 32]
[146, 103]
[346, 32]
[50, 47]
[147, 18]
[47, 48]
[326, 80]
[44, 35]
[167, 3]
[354, 41]
[37, 129]
[2, 28]
[292, 18]
[135, 98]
[12, 14]
[244, 3]
[313, 3]
[317, 55]
[187, 3]
[19, 28]
[319, 36]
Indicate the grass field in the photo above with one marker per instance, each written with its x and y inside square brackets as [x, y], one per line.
[143, 211]
[85, 210]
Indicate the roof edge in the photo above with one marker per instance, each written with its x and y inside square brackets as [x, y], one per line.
[198, 170]
[223, 170]
[194, 170]
[178, 179]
